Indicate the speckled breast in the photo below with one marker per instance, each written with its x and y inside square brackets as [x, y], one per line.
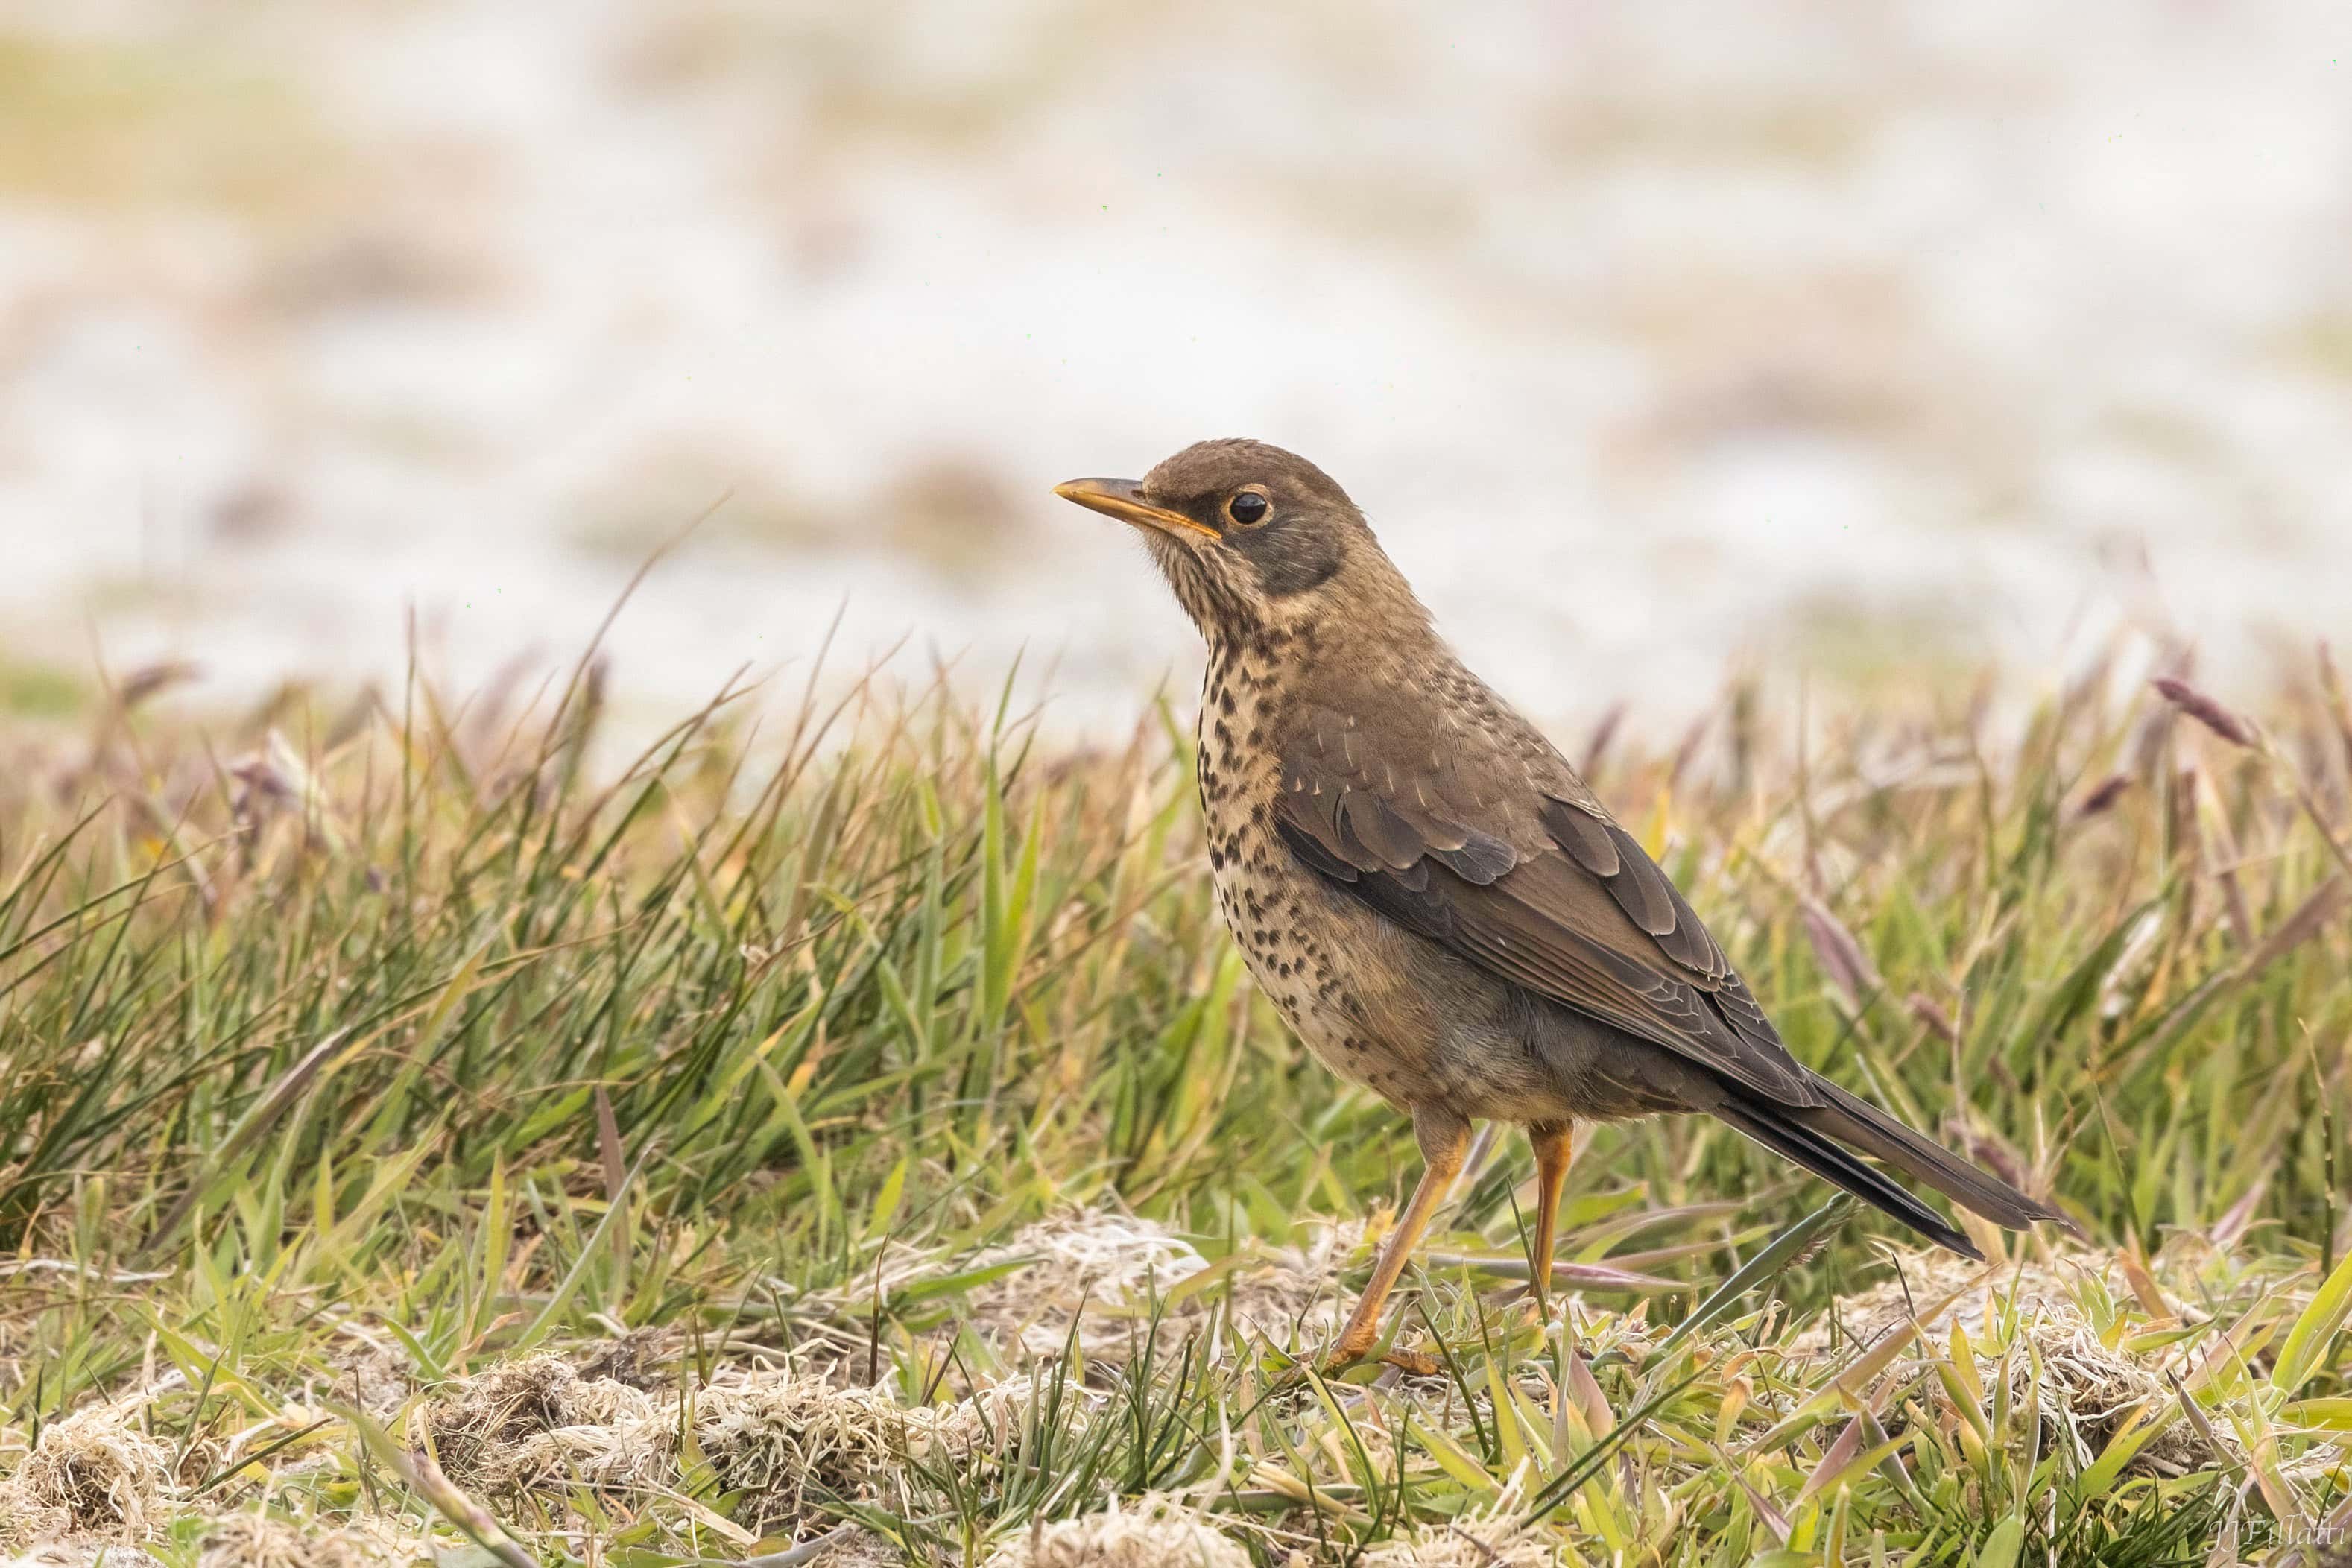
[1285, 923]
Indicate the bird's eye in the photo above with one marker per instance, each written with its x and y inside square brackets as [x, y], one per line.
[1249, 508]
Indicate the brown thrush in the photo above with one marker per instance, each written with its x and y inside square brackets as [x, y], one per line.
[1431, 895]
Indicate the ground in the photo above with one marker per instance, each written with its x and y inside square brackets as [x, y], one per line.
[852, 1142]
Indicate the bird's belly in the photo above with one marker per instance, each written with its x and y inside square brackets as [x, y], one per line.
[1363, 997]
[1288, 952]
[1298, 949]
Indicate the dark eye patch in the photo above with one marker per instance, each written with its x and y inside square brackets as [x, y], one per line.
[1291, 559]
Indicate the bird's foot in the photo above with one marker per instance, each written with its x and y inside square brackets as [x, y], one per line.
[1344, 1355]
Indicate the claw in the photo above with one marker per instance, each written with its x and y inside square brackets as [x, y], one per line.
[1342, 1356]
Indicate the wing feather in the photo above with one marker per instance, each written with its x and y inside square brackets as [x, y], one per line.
[1531, 881]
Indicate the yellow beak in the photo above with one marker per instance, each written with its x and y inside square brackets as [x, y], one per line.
[1123, 499]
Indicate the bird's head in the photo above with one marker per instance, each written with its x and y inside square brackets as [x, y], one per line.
[1250, 536]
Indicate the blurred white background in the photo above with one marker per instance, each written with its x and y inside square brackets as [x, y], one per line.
[1653, 337]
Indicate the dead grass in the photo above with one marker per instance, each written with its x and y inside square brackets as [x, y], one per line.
[250, 1540]
[1147, 1532]
[792, 1445]
[1463, 1543]
[510, 1428]
[93, 1473]
[1115, 1276]
[859, 1549]
[2024, 1324]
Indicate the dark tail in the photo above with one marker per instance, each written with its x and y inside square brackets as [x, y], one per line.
[1805, 1136]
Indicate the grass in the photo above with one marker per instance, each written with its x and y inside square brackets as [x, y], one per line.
[417, 1131]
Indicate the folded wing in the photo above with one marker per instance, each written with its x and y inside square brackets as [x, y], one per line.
[1501, 856]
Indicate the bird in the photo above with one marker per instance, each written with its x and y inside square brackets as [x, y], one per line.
[1434, 900]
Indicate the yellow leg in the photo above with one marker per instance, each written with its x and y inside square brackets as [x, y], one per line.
[1555, 1144]
[1445, 1139]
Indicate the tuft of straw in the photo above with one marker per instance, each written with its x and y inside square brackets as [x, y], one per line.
[250, 1540]
[2088, 1389]
[92, 1473]
[792, 1443]
[1462, 1543]
[781, 1437]
[371, 1374]
[858, 1548]
[510, 1427]
[1148, 1532]
[1104, 1271]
